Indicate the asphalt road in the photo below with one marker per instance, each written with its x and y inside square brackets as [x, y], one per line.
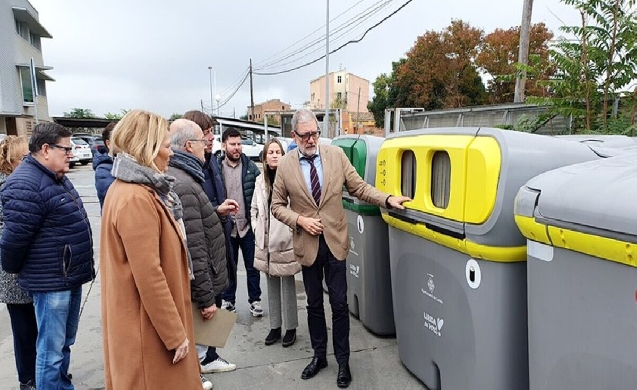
[374, 361]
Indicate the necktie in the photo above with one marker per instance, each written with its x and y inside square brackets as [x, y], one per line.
[314, 180]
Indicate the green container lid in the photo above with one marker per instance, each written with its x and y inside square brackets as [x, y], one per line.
[356, 151]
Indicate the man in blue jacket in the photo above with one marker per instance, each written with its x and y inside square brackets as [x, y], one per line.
[47, 240]
[102, 165]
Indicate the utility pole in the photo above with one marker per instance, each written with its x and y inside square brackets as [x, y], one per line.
[358, 108]
[523, 55]
[326, 119]
[251, 93]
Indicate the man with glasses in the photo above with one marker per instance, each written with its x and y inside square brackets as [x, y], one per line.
[204, 231]
[311, 181]
[47, 241]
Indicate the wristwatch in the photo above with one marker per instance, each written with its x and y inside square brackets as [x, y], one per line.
[387, 205]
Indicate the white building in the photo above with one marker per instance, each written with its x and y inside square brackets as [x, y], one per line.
[20, 41]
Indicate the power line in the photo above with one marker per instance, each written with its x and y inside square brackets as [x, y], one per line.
[338, 48]
[366, 14]
[234, 92]
[236, 82]
[305, 37]
[356, 21]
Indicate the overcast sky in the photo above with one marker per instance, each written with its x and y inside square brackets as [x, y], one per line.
[124, 54]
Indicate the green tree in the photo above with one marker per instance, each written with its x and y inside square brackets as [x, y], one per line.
[112, 116]
[79, 113]
[380, 101]
[174, 117]
[385, 94]
[597, 68]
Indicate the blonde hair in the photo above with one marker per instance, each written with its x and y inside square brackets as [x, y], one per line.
[140, 134]
[10, 152]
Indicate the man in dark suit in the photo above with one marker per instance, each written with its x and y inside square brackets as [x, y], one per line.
[312, 179]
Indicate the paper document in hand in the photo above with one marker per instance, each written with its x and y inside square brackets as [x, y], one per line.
[215, 331]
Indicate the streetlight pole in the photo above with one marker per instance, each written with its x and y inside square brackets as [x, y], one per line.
[218, 99]
[326, 119]
[212, 105]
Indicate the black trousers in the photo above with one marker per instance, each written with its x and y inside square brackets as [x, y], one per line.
[335, 278]
[25, 334]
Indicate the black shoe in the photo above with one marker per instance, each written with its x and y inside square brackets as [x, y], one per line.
[30, 385]
[273, 336]
[289, 338]
[316, 365]
[344, 377]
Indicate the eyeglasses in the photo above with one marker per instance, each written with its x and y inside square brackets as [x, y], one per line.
[306, 136]
[67, 149]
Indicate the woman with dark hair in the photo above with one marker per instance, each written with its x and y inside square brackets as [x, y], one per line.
[19, 303]
[274, 254]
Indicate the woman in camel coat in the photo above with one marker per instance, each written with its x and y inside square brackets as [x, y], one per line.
[145, 273]
[273, 252]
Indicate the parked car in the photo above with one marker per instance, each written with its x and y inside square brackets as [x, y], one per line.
[216, 146]
[251, 149]
[81, 150]
[98, 146]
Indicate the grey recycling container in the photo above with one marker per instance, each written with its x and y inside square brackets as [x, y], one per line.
[581, 226]
[458, 261]
[369, 295]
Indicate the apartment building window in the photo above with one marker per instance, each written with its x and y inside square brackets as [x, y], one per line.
[41, 87]
[339, 79]
[22, 29]
[339, 95]
[313, 95]
[35, 41]
[27, 88]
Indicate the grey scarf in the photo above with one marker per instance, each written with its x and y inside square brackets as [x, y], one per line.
[127, 169]
[188, 163]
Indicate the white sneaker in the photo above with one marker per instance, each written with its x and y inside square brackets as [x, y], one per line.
[218, 365]
[255, 309]
[227, 305]
[205, 383]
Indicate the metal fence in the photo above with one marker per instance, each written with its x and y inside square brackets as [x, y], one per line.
[520, 117]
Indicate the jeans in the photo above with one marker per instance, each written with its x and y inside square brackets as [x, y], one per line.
[25, 333]
[58, 315]
[247, 249]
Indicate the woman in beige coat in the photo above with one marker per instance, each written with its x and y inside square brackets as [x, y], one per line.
[273, 253]
[145, 273]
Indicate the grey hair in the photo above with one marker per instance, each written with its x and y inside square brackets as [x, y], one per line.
[303, 116]
[182, 131]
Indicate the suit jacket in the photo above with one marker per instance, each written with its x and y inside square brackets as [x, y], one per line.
[337, 172]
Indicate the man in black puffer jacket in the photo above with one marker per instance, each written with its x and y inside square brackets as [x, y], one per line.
[204, 232]
[47, 240]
